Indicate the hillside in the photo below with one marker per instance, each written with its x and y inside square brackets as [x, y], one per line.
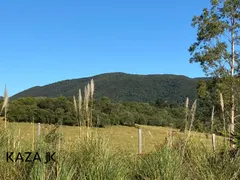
[123, 87]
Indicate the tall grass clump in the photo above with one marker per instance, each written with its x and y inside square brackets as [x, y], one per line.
[165, 163]
[186, 114]
[202, 163]
[92, 89]
[223, 116]
[5, 106]
[63, 168]
[84, 107]
[188, 134]
[95, 159]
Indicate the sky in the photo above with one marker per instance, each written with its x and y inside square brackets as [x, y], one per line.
[45, 41]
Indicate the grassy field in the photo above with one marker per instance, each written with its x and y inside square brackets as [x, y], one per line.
[122, 138]
[111, 153]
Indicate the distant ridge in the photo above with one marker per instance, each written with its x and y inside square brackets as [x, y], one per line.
[123, 87]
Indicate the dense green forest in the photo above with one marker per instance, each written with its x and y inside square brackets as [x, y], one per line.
[106, 112]
[123, 87]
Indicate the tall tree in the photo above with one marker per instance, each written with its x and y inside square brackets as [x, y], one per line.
[217, 44]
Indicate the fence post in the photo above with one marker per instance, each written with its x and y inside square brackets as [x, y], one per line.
[139, 141]
[214, 142]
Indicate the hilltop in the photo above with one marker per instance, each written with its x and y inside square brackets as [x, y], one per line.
[123, 87]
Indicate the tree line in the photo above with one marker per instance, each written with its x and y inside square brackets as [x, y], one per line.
[105, 112]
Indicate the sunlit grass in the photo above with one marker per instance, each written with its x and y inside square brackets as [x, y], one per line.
[123, 138]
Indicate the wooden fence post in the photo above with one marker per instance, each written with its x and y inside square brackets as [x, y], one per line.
[214, 142]
[139, 141]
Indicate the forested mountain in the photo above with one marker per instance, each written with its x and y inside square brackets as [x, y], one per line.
[123, 87]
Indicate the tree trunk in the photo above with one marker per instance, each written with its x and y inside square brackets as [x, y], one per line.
[232, 125]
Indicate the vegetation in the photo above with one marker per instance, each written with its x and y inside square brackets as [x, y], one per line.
[61, 110]
[105, 112]
[121, 138]
[134, 101]
[216, 50]
[93, 156]
[123, 87]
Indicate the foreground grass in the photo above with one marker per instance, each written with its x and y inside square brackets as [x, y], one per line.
[105, 154]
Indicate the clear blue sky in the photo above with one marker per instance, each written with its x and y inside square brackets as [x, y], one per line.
[50, 40]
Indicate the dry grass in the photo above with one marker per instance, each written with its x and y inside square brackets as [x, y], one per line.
[121, 137]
